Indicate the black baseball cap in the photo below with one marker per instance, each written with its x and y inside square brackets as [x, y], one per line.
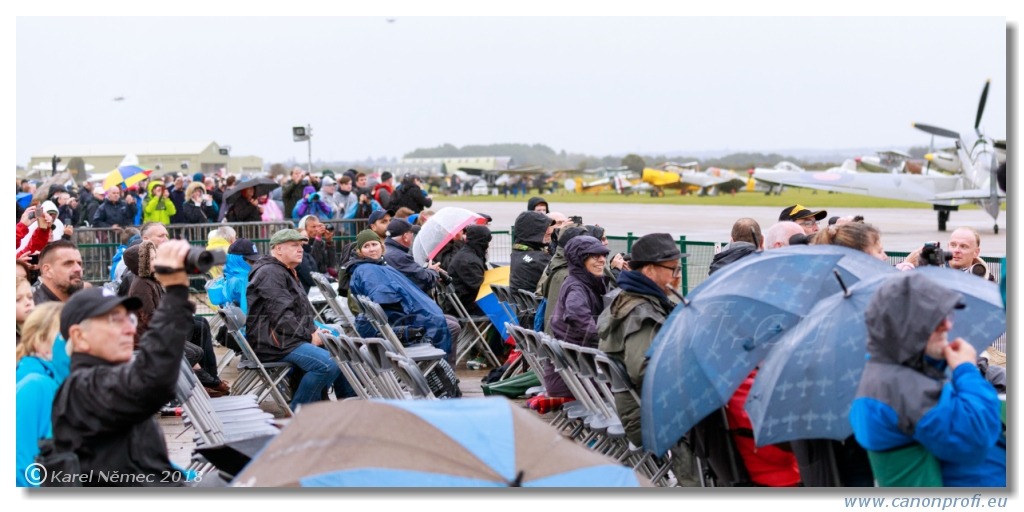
[91, 303]
[399, 227]
[797, 212]
[245, 248]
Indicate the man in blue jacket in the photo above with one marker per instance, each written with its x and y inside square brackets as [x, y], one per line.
[917, 387]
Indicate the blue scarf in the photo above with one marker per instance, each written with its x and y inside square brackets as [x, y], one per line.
[634, 282]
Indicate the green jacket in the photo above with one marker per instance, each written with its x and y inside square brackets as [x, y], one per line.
[627, 327]
[157, 209]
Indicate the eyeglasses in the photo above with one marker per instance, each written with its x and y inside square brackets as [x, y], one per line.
[120, 319]
[808, 223]
[676, 270]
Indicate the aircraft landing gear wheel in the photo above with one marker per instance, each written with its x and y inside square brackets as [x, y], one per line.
[995, 228]
[943, 218]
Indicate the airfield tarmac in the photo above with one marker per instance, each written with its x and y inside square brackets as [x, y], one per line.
[903, 229]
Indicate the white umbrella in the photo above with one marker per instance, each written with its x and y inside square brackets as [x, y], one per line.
[440, 229]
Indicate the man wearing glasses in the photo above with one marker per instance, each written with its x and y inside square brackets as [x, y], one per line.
[807, 219]
[104, 411]
[632, 320]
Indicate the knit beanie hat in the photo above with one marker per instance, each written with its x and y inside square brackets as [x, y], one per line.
[364, 236]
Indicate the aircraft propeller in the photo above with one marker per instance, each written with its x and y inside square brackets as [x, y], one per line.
[981, 107]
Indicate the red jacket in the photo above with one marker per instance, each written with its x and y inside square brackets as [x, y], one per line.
[40, 237]
[770, 465]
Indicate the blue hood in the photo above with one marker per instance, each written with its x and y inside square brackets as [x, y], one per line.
[236, 266]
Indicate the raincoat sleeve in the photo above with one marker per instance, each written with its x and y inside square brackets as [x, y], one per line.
[300, 209]
[36, 242]
[576, 314]
[965, 422]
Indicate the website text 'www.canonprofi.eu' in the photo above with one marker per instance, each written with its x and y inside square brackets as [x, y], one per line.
[940, 503]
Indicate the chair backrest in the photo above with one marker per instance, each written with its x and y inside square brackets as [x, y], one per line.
[323, 285]
[234, 319]
[617, 373]
[410, 375]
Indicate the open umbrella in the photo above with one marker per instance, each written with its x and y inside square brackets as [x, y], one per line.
[127, 174]
[809, 379]
[440, 229]
[854, 266]
[479, 442]
[260, 187]
[724, 328]
[488, 301]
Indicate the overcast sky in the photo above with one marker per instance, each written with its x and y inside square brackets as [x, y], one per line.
[369, 87]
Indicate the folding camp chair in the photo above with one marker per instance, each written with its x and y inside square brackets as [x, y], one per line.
[254, 376]
[344, 316]
[409, 374]
[474, 335]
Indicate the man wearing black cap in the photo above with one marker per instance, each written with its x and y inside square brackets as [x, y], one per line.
[104, 411]
[632, 320]
[400, 235]
[807, 219]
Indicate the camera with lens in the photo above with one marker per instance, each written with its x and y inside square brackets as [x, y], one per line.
[932, 254]
[314, 197]
[199, 260]
[304, 182]
[576, 219]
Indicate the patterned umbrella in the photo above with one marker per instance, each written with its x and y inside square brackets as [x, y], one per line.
[479, 442]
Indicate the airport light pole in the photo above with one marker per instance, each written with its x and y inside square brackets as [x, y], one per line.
[305, 133]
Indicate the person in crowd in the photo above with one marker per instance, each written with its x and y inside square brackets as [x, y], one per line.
[36, 229]
[780, 234]
[345, 198]
[329, 195]
[291, 190]
[411, 195]
[152, 231]
[90, 203]
[855, 235]
[270, 210]
[60, 272]
[178, 197]
[115, 212]
[241, 255]
[42, 365]
[126, 236]
[635, 315]
[213, 188]
[574, 319]
[404, 303]
[550, 283]
[198, 207]
[468, 265]
[280, 321]
[920, 388]
[422, 217]
[312, 204]
[220, 239]
[383, 191]
[316, 255]
[745, 239]
[404, 213]
[23, 304]
[243, 207]
[965, 247]
[105, 410]
[65, 210]
[537, 204]
[158, 206]
[808, 220]
[530, 250]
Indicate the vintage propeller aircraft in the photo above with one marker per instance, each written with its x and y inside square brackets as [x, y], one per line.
[689, 177]
[973, 182]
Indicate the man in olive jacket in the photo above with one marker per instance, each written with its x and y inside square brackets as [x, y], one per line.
[632, 320]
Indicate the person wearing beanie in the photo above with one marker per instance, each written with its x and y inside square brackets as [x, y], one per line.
[403, 302]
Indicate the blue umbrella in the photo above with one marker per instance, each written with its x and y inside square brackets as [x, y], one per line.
[24, 199]
[854, 266]
[724, 328]
[984, 318]
[481, 442]
[808, 381]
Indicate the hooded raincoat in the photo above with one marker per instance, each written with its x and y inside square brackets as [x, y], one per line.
[529, 252]
[905, 397]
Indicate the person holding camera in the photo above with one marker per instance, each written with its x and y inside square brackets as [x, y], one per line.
[964, 254]
[312, 204]
[158, 206]
[105, 411]
[291, 190]
[198, 207]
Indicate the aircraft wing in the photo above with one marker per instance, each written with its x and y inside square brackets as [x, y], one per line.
[972, 194]
[661, 178]
[908, 187]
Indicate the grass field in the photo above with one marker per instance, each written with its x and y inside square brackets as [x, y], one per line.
[806, 197]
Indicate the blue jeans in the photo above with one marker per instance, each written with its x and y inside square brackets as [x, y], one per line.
[320, 370]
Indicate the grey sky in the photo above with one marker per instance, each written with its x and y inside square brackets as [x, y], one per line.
[586, 85]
